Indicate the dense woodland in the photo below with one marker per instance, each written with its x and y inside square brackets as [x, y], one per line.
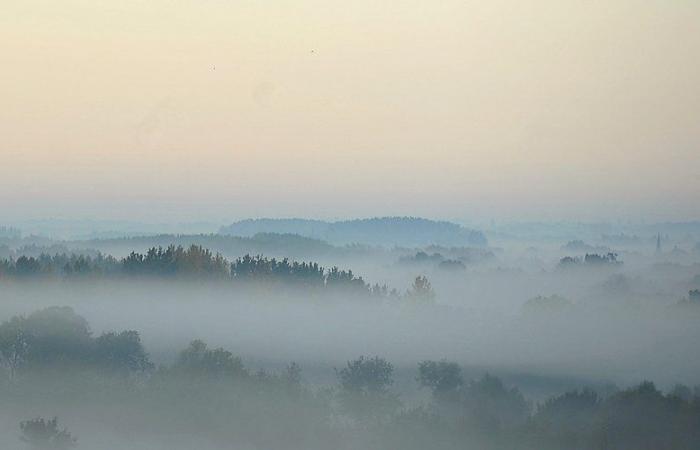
[198, 263]
[211, 391]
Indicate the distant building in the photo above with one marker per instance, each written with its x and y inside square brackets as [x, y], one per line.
[658, 243]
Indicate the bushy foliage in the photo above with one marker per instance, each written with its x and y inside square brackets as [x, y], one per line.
[122, 351]
[198, 360]
[442, 377]
[172, 261]
[490, 406]
[365, 388]
[639, 417]
[58, 336]
[259, 268]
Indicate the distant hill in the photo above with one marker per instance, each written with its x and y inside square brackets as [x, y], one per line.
[384, 231]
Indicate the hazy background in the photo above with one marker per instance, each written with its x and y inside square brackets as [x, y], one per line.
[212, 110]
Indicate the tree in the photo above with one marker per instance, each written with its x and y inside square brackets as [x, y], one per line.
[197, 359]
[445, 381]
[25, 267]
[122, 352]
[14, 345]
[571, 419]
[58, 334]
[491, 407]
[364, 388]
[442, 377]
[421, 292]
[44, 434]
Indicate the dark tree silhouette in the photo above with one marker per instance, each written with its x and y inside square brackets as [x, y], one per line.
[421, 292]
[199, 360]
[122, 352]
[442, 377]
[364, 388]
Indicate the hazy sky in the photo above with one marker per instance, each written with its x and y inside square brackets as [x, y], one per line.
[219, 109]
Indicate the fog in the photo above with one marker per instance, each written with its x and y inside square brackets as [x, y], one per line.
[542, 313]
[315, 224]
[592, 339]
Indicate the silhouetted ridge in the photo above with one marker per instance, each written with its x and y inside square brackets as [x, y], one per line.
[401, 231]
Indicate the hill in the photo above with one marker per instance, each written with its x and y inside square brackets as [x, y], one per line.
[392, 231]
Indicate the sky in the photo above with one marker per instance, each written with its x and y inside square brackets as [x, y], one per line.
[222, 109]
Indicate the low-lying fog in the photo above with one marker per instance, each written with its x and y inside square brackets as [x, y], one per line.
[615, 326]
[544, 319]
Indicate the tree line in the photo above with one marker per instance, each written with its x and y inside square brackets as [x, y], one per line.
[590, 260]
[196, 262]
[211, 389]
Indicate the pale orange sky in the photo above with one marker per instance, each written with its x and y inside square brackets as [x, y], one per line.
[215, 109]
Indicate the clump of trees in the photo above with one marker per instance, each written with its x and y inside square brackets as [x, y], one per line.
[365, 389]
[590, 260]
[307, 276]
[58, 336]
[422, 257]
[172, 261]
[485, 404]
[41, 434]
[58, 265]
[638, 417]
[198, 360]
[693, 298]
[437, 259]
[445, 381]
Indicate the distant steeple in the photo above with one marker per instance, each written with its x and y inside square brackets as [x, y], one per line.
[658, 243]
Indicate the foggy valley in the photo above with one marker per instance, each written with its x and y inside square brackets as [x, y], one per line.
[367, 225]
[518, 321]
